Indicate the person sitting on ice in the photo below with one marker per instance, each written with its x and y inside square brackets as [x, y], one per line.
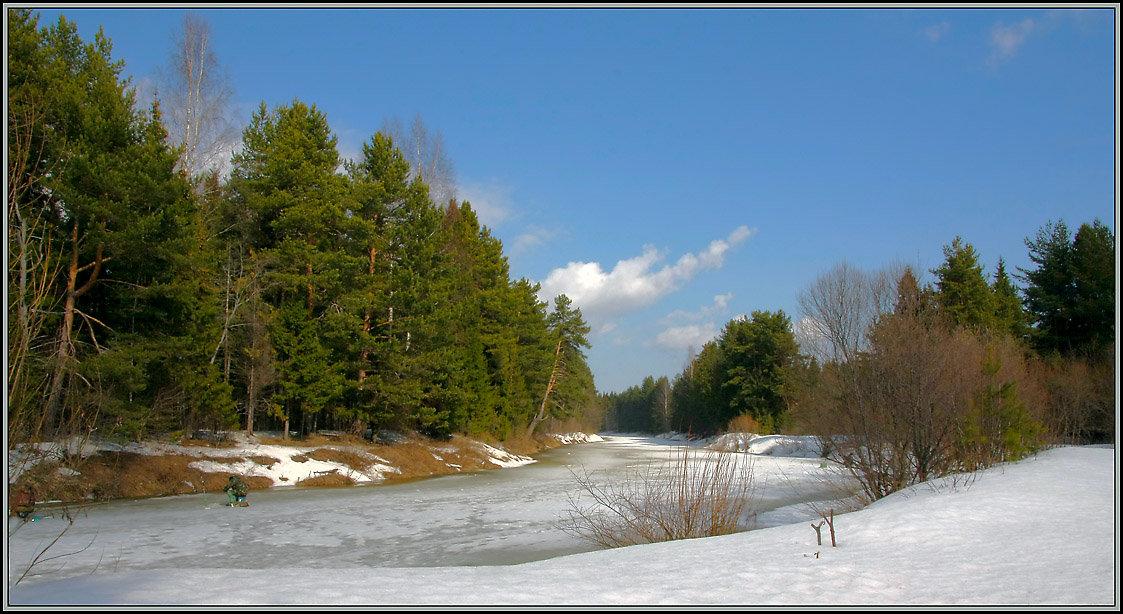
[236, 490]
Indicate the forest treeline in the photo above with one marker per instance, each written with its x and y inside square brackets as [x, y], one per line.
[149, 293]
[904, 381]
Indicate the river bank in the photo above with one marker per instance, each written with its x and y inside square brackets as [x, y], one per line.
[74, 472]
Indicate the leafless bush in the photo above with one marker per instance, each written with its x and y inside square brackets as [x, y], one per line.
[1080, 402]
[894, 411]
[691, 495]
[745, 424]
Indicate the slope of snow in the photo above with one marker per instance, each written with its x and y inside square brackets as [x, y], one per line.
[1043, 532]
[770, 445]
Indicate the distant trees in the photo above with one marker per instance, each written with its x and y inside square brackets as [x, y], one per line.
[642, 409]
[759, 354]
[747, 371]
[752, 370]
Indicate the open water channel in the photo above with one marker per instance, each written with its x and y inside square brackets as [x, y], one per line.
[494, 517]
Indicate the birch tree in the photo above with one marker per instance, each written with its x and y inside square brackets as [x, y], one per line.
[198, 94]
[427, 155]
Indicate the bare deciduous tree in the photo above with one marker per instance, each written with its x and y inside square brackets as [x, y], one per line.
[258, 364]
[839, 308]
[427, 155]
[31, 268]
[198, 94]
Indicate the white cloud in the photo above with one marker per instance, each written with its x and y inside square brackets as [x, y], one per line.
[936, 32]
[687, 338]
[632, 284]
[533, 237]
[721, 302]
[492, 202]
[1007, 40]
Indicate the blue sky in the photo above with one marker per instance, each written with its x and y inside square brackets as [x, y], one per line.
[671, 169]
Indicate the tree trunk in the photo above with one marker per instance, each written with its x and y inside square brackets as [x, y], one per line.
[252, 401]
[366, 324]
[65, 352]
[543, 413]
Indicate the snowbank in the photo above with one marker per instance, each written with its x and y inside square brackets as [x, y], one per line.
[771, 445]
[568, 438]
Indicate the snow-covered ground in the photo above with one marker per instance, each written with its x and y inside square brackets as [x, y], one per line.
[1040, 532]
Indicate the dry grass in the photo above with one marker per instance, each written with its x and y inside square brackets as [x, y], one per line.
[419, 458]
[314, 440]
[330, 479]
[191, 442]
[230, 460]
[114, 475]
[693, 495]
[744, 424]
[125, 475]
[350, 458]
[522, 444]
[265, 461]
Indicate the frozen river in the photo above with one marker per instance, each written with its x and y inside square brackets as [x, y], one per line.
[495, 517]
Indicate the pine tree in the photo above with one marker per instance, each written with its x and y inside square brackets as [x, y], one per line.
[963, 293]
[698, 396]
[757, 355]
[524, 361]
[912, 300]
[1093, 255]
[569, 373]
[1051, 289]
[380, 188]
[308, 377]
[1070, 294]
[297, 216]
[97, 178]
[1009, 315]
